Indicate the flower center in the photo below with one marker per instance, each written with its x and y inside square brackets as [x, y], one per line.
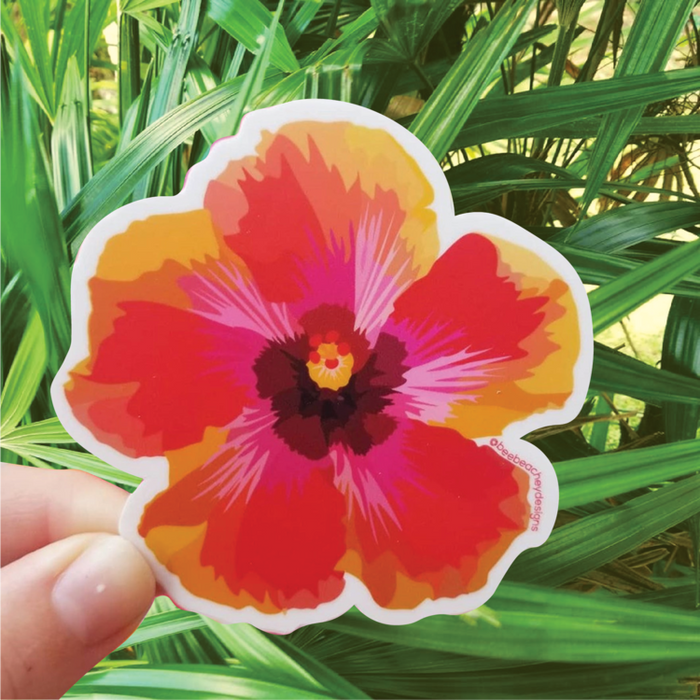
[330, 361]
[322, 394]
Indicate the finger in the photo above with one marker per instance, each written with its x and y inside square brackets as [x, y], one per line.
[65, 607]
[39, 506]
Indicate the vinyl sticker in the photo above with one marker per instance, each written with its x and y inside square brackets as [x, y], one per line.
[323, 376]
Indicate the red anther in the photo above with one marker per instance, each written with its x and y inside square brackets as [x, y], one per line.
[332, 363]
[332, 336]
[314, 357]
[343, 349]
[315, 340]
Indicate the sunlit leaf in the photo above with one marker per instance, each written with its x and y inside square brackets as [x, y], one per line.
[70, 140]
[24, 376]
[647, 50]
[32, 235]
[37, 33]
[616, 299]
[247, 21]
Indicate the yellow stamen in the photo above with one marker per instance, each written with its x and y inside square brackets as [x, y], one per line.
[328, 368]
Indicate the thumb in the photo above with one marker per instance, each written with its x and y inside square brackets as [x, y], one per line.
[65, 607]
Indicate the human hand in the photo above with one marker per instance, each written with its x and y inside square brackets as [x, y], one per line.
[71, 590]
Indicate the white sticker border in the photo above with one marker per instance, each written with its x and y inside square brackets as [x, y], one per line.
[154, 470]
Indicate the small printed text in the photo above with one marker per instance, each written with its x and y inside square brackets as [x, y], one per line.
[536, 514]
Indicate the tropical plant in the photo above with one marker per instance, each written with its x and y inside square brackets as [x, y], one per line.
[579, 120]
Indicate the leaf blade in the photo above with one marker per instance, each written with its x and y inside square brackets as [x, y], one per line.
[540, 624]
[601, 476]
[24, 377]
[248, 21]
[575, 549]
[454, 99]
[37, 33]
[648, 48]
[615, 300]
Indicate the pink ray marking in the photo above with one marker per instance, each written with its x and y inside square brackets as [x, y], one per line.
[254, 453]
[221, 293]
[241, 459]
[362, 490]
[438, 376]
[376, 287]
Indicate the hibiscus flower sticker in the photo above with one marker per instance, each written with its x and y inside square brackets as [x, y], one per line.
[322, 375]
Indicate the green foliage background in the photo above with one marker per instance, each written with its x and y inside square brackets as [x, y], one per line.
[579, 121]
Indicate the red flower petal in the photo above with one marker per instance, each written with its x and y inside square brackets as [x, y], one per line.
[430, 514]
[274, 520]
[474, 328]
[317, 224]
[162, 377]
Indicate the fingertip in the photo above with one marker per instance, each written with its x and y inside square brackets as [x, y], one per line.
[106, 590]
[65, 607]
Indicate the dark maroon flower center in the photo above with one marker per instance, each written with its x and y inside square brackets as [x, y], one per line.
[311, 419]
